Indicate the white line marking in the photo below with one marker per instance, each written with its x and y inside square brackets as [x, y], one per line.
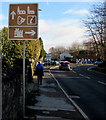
[90, 69]
[76, 97]
[84, 76]
[77, 107]
[46, 112]
[74, 72]
[101, 82]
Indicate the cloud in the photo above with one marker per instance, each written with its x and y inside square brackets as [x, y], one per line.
[60, 33]
[78, 12]
[2, 17]
[2, 26]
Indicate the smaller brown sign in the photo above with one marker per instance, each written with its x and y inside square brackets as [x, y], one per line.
[23, 33]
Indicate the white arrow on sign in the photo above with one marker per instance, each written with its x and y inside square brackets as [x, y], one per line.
[32, 32]
[13, 14]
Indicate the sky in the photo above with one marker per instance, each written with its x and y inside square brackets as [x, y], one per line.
[60, 21]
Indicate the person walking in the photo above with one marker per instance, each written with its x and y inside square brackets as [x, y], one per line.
[39, 73]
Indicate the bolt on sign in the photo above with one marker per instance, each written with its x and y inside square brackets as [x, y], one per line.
[23, 21]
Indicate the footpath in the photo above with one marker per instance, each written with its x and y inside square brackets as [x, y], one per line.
[48, 102]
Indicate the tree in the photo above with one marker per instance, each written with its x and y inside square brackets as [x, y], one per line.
[42, 51]
[13, 49]
[56, 51]
[74, 49]
[96, 25]
[9, 49]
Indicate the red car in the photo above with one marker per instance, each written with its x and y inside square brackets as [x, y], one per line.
[64, 65]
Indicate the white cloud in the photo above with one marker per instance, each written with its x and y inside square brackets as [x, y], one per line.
[2, 26]
[80, 12]
[84, 11]
[60, 33]
[2, 17]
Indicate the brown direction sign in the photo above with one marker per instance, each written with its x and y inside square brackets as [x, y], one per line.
[23, 21]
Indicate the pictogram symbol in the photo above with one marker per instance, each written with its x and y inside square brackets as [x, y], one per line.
[18, 33]
[31, 20]
[32, 32]
[20, 11]
[30, 11]
[20, 20]
[13, 14]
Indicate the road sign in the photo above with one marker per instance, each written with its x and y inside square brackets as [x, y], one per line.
[23, 21]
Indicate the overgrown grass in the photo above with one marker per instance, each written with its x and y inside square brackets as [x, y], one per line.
[101, 67]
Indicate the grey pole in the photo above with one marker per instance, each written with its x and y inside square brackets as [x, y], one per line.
[24, 47]
[0, 83]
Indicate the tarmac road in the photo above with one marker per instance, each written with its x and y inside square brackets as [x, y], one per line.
[87, 88]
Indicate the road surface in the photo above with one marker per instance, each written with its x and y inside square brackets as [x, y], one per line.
[87, 88]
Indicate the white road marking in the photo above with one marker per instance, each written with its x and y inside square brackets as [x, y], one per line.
[77, 107]
[84, 76]
[46, 112]
[74, 72]
[73, 96]
[90, 69]
[101, 82]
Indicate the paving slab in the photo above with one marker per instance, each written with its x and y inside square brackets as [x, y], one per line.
[48, 102]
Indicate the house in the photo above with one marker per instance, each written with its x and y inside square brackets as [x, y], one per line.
[48, 57]
[64, 56]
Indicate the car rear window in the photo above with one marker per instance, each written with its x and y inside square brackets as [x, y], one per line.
[64, 64]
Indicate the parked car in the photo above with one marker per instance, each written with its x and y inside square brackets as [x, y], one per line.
[88, 62]
[64, 65]
[49, 63]
[97, 62]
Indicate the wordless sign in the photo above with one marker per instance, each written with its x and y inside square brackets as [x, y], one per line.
[23, 21]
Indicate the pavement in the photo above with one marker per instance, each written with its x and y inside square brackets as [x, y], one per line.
[48, 101]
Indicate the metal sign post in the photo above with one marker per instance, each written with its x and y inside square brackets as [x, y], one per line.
[24, 44]
[23, 25]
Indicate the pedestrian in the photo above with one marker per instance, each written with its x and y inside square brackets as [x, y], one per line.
[39, 73]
